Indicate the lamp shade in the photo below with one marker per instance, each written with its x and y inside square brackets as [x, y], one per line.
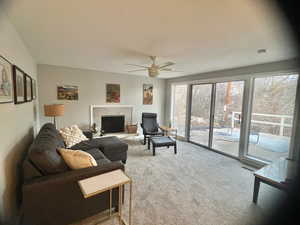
[54, 110]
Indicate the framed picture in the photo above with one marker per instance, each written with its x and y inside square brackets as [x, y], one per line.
[113, 93]
[67, 92]
[33, 89]
[19, 85]
[28, 88]
[148, 94]
[6, 84]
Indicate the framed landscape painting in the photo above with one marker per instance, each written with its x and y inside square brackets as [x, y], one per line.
[19, 85]
[6, 84]
[67, 92]
[113, 93]
[28, 88]
[148, 94]
[33, 89]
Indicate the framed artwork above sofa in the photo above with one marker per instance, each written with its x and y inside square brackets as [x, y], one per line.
[6, 84]
[19, 85]
[28, 88]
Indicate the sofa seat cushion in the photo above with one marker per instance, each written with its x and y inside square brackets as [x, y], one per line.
[102, 161]
[43, 151]
[87, 145]
[96, 153]
[113, 148]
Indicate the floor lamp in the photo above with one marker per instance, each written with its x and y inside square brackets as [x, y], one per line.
[54, 111]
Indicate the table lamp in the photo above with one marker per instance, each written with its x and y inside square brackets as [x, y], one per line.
[54, 111]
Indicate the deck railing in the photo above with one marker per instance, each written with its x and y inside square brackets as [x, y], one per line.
[282, 124]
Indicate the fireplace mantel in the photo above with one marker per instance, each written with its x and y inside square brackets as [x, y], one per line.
[95, 107]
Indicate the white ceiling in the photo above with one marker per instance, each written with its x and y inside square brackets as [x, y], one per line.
[199, 35]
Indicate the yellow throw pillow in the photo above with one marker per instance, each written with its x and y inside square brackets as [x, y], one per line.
[72, 135]
[77, 159]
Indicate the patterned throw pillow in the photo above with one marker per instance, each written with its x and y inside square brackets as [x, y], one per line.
[77, 159]
[72, 135]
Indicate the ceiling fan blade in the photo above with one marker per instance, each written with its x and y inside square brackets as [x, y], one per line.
[166, 69]
[166, 65]
[171, 70]
[130, 71]
[137, 65]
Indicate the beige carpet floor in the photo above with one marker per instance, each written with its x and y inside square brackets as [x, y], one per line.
[194, 187]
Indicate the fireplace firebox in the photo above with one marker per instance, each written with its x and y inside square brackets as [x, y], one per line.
[113, 124]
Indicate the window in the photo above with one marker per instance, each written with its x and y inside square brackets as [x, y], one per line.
[179, 108]
[272, 117]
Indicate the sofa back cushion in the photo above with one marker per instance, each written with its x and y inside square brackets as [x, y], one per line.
[43, 151]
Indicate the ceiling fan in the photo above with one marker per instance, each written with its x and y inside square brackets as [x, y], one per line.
[154, 69]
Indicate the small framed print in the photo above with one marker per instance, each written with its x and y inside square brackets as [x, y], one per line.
[33, 89]
[6, 83]
[147, 94]
[19, 85]
[67, 92]
[28, 88]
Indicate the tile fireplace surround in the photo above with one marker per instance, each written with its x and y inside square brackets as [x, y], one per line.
[97, 111]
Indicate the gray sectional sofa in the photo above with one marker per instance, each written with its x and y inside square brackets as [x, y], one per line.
[50, 191]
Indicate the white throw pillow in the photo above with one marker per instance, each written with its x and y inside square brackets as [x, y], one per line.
[72, 135]
[77, 159]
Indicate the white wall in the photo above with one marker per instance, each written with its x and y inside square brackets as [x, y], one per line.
[17, 122]
[92, 92]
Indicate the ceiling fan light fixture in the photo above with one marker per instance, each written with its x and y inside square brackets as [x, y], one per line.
[154, 69]
[153, 72]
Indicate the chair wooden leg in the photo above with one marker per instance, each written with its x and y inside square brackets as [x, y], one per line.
[144, 139]
[148, 143]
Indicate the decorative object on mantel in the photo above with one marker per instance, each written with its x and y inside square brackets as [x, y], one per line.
[19, 85]
[28, 88]
[6, 85]
[113, 93]
[94, 129]
[131, 128]
[54, 111]
[67, 92]
[148, 94]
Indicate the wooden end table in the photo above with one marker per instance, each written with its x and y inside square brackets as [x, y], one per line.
[107, 182]
[278, 174]
[168, 130]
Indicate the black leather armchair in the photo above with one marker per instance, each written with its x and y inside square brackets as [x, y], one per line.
[150, 126]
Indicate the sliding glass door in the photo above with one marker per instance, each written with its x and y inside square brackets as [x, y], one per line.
[216, 115]
[201, 114]
[249, 119]
[272, 117]
[227, 117]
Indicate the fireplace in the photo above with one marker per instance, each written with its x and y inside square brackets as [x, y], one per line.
[113, 124]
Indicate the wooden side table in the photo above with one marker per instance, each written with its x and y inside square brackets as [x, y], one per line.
[107, 182]
[279, 174]
[168, 130]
